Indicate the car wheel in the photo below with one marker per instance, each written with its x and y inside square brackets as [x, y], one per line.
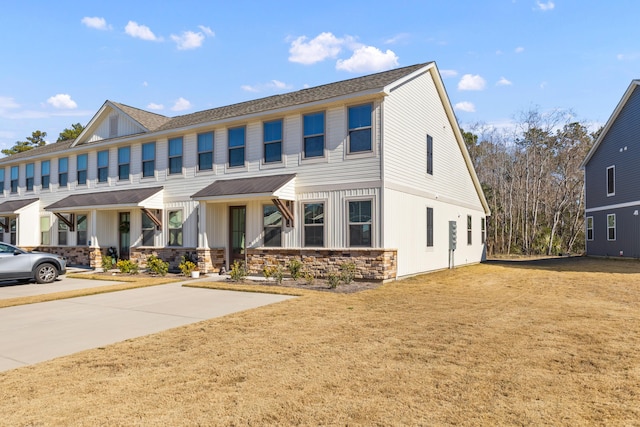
[46, 273]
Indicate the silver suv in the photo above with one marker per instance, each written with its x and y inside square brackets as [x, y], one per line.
[24, 266]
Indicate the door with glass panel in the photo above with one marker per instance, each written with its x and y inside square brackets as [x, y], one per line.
[237, 230]
[124, 224]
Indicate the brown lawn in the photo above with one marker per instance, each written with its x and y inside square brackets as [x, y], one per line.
[525, 343]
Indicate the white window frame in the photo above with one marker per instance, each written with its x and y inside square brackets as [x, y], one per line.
[609, 227]
[169, 228]
[370, 127]
[45, 230]
[265, 227]
[77, 229]
[589, 219]
[371, 223]
[324, 222]
[614, 181]
[303, 152]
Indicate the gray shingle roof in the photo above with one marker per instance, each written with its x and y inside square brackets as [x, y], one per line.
[9, 208]
[119, 197]
[45, 149]
[151, 121]
[243, 186]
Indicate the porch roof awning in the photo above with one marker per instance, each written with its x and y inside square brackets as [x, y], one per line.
[271, 186]
[13, 206]
[139, 197]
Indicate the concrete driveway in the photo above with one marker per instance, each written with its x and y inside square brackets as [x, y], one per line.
[37, 332]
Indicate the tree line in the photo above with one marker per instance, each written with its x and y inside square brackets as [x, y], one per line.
[37, 139]
[533, 183]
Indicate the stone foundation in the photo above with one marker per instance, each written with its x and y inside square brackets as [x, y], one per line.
[208, 260]
[75, 255]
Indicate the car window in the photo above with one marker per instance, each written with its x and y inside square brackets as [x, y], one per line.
[6, 249]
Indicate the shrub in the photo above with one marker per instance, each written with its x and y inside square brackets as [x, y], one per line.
[238, 271]
[347, 272]
[268, 271]
[186, 266]
[107, 263]
[157, 266]
[333, 279]
[127, 266]
[295, 268]
[275, 271]
[309, 278]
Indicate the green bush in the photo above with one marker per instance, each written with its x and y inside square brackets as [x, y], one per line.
[186, 266]
[295, 268]
[127, 266]
[238, 271]
[347, 272]
[107, 263]
[157, 266]
[309, 278]
[333, 279]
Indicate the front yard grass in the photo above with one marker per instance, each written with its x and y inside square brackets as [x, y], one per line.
[522, 342]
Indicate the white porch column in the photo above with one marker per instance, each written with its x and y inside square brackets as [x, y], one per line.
[93, 229]
[203, 239]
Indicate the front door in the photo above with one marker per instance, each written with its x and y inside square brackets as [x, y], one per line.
[237, 229]
[124, 224]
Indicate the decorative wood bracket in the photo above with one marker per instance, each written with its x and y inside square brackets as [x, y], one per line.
[155, 217]
[70, 222]
[5, 225]
[286, 209]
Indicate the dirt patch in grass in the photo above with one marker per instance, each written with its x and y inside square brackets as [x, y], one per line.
[491, 344]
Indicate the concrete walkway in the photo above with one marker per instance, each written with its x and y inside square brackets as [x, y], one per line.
[37, 332]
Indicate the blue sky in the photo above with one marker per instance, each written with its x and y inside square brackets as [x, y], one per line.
[61, 60]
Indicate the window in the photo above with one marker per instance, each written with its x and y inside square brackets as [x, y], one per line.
[124, 157]
[14, 178]
[63, 169]
[611, 180]
[611, 227]
[429, 227]
[45, 168]
[469, 234]
[429, 155]
[62, 231]
[360, 128]
[360, 223]
[236, 147]
[148, 230]
[175, 155]
[1, 181]
[175, 228]
[29, 173]
[589, 228]
[45, 232]
[13, 222]
[2, 222]
[272, 141]
[148, 159]
[205, 151]
[272, 225]
[313, 135]
[483, 230]
[81, 230]
[103, 166]
[81, 173]
[314, 224]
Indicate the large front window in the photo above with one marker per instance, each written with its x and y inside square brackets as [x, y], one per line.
[81, 172]
[148, 159]
[63, 230]
[63, 171]
[175, 228]
[314, 224]
[148, 230]
[272, 219]
[124, 158]
[45, 232]
[14, 179]
[313, 135]
[272, 141]
[236, 147]
[175, 155]
[360, 223]
[205, 151]
[45, 171]
[29, 173]
[81, 230]
[360, 128]
[103, 166]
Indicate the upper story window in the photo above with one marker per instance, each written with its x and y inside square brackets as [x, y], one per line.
[81, 172]
[1, 182]
[236, 146]
[103, 166]
[313, 224]
[429, 154]
[175, 155]
[360, 128]
[611, 181]
[124, 159]
[205, 151]
[63, 171]
[272, 135]
[45, 174]
[313, 135]
[148, 159]
[29, 174]
[14, 178]
[360, 223]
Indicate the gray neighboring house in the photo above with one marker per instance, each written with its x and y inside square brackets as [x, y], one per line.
[612, 183]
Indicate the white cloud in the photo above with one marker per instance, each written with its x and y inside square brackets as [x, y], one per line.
[207, 31]
[188, 40]
[543, 85]
[519, 49]
[368, 59]
[145, 84]
[545, 6]
[627, 56]
[96, 22]
[62, 101]
[448, 73]
[154, 106]
[397, 38]
[324, 46]
[140, 31]
[7, 103]
[272, 85]
[181, 105]
[465, 106]
[471, 82]
[503, 82]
